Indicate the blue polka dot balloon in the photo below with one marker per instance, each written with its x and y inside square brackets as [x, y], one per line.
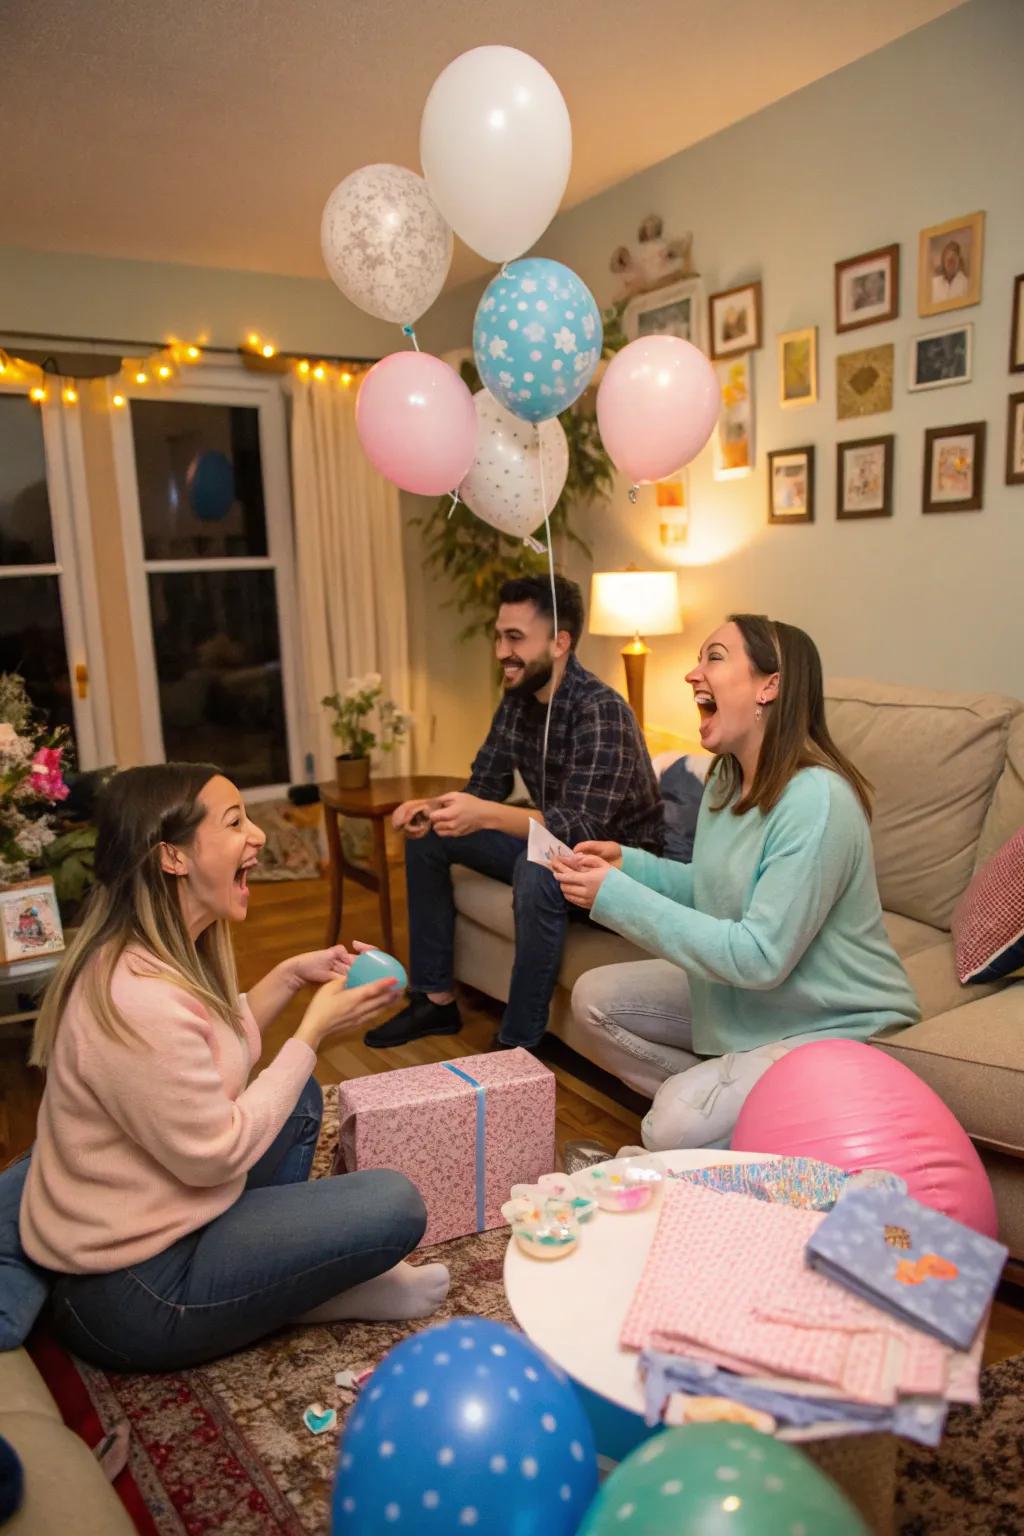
[537, 338]
[466, 1426]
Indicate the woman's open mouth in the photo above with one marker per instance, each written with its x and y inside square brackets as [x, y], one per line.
[242, 875]
[705, 702]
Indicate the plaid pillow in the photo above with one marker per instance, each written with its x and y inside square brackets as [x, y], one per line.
[988, 924]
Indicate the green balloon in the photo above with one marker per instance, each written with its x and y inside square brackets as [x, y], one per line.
[719, 1480]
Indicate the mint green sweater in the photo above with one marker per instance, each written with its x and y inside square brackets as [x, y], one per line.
[777, 922]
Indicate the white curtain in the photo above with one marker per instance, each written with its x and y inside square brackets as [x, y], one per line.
[349, 566]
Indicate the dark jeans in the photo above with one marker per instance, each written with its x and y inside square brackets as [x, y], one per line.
[285, 1246]
[541, 914]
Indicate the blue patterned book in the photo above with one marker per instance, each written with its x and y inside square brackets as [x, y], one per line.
[916, 1263]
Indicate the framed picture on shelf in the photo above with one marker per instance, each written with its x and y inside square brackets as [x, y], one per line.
[1017, 326]
[676, 310]
[735, 320]
[30, 923]
[954, 468]
[798, 367]
[864, 477]
[791, 485]
[868, 288]
[864, 381]
[940, 358]
[734, 435]
[949, 264]
[1015, 441]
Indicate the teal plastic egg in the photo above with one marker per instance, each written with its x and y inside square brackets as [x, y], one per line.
[375, 965]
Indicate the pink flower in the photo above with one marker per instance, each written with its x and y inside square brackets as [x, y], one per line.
[46, 775]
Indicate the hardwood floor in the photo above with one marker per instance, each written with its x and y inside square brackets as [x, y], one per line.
[288, 917]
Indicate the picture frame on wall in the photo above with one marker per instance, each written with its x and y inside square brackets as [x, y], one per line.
[1017, 326]
[733, 451]
[864, 477]
[1015, 441]
[798, 367]
[941, 358]
[734, 319]
[868, 288]
[791, 485]
[672, 501]
[954, 468]
[949, 263]
[675, 310]
[864, 381]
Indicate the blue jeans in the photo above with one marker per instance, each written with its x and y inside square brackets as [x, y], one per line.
[285, 1246]
[541, 914]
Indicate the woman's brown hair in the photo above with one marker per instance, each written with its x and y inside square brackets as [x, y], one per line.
[135, 904]
[796, 732]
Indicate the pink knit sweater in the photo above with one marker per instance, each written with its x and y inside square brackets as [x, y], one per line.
[141, 1141]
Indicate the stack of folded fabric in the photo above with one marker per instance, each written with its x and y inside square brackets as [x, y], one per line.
[870, 1316]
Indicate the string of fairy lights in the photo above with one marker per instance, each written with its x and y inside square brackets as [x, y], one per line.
[167, 364]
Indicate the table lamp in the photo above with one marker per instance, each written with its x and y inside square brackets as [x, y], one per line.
[628, 602]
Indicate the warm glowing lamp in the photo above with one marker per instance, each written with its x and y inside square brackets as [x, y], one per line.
[628, 602]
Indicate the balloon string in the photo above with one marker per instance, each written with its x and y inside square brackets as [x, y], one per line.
[408, 330]
[554, 617]
[455, 501]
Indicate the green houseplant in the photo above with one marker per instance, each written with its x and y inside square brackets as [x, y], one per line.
[363, 697]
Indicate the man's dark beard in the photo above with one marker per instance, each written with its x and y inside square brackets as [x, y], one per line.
[534, 676]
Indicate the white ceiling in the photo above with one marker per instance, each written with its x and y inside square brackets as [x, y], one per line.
[212, 131]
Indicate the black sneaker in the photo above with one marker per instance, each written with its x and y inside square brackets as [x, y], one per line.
[421, 1017]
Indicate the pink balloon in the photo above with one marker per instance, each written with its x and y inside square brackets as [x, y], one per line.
[656, 406]
[416, 422]
[853, 1106]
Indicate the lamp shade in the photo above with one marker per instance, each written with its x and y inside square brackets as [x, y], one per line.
[634, 603]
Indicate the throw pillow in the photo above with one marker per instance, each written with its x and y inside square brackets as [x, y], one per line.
[682, 785]
[988, 923]
[23, 1285]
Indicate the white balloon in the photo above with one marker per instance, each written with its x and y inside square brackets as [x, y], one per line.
[496, 146]
[384, 242]
[503, 486]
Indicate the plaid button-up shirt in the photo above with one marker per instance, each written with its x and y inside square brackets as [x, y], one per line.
[599, 782]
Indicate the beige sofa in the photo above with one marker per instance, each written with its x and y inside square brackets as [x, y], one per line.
[948, 771]
[66, 1490]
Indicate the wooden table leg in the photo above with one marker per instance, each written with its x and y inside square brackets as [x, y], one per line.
[380, 859]
[336, 873]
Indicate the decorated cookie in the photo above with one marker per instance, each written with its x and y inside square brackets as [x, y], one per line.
[557, 1186]
[545, 1228]
[623, 1184]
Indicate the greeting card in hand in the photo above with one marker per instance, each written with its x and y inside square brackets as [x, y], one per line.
[909, 1260]
[542, 846]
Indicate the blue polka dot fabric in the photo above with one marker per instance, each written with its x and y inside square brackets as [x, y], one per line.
[537, 338]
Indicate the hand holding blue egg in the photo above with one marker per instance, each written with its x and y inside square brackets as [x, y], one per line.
[375, 965]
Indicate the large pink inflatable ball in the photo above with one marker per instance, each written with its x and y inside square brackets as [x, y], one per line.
[851, 1105]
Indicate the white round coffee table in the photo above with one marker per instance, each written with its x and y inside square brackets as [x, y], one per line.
[574, 1308]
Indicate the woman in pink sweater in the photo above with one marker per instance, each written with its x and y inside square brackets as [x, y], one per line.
[167, 1191]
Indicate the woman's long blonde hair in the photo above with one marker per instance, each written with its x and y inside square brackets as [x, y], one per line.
[135, 904]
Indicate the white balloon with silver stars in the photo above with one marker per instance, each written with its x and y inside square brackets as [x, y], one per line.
[385, 243]
[515, 461]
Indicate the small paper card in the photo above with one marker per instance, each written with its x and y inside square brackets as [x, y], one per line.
[542, 846]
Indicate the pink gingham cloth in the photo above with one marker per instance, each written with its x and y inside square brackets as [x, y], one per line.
[726, 1280]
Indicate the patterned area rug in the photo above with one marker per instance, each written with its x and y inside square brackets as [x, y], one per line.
[292, 850]
[222, 1451]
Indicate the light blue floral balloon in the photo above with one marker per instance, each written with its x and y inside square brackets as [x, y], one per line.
[537, 338]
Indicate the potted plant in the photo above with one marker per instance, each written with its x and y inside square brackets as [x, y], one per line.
[352, 709]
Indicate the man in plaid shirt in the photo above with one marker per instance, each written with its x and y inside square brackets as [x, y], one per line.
[594, 783]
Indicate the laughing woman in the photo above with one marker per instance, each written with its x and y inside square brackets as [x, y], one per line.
[773, 936]
[166, 1191]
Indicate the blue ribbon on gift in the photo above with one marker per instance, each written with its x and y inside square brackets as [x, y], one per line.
[481, 1141]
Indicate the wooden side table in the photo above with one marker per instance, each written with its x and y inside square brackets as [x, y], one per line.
[375, 804]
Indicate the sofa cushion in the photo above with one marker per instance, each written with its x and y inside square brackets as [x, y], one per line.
[488, 902]
[66, 1489]
[22, 1389]
[988, 923]
[1006, 813]
[682, 789]
[934, 760]
[23, 1285]
[974, 1059]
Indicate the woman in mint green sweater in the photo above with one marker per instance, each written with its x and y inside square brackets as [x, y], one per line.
[773, 936]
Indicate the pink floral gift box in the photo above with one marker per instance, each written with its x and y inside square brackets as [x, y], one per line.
[463, 1131]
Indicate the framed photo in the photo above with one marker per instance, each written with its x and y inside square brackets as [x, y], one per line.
[868, 288]
[672, 500]
[676, 310]
[30, 923]
[798, 367]
[734, 434]
[954, 468]
[864, 477]
[1017, 327]
[791, 485]
[864, 381]
[735, 320]
[1015, 441]
[949, 264]
[940, 358]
